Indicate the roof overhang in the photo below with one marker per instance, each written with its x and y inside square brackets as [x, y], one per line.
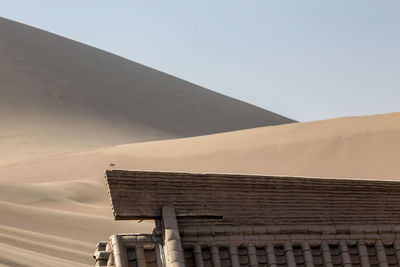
[231, 199]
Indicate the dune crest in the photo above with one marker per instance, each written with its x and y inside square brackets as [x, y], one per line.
[331, 148]
[59, 95]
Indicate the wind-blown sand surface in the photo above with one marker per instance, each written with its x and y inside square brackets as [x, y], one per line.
[59, 95]
[56, 207]
[66, 107]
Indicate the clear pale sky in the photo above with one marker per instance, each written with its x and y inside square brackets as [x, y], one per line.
[307, 60]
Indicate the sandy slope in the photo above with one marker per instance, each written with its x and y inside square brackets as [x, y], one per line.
[59, 95]
[61, 199]
[364, 147]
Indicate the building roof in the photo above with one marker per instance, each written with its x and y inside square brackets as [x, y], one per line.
[365, 246]
[230, 199]
[226, 220]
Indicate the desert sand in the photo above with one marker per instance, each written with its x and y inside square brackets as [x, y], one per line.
[59, 95]
[56, 207]
[69, 111]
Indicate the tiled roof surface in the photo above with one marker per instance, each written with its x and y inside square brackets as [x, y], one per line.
[133, 249]
[292, 246]
[205, 199]
[364, 247]
[345, 253]
[223, 220]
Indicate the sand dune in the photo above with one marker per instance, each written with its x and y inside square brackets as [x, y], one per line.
[59, 95]
[358, 147]
[27, 243]
[61, 199]
[56, 233]
[18, 257]
[66, 108]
